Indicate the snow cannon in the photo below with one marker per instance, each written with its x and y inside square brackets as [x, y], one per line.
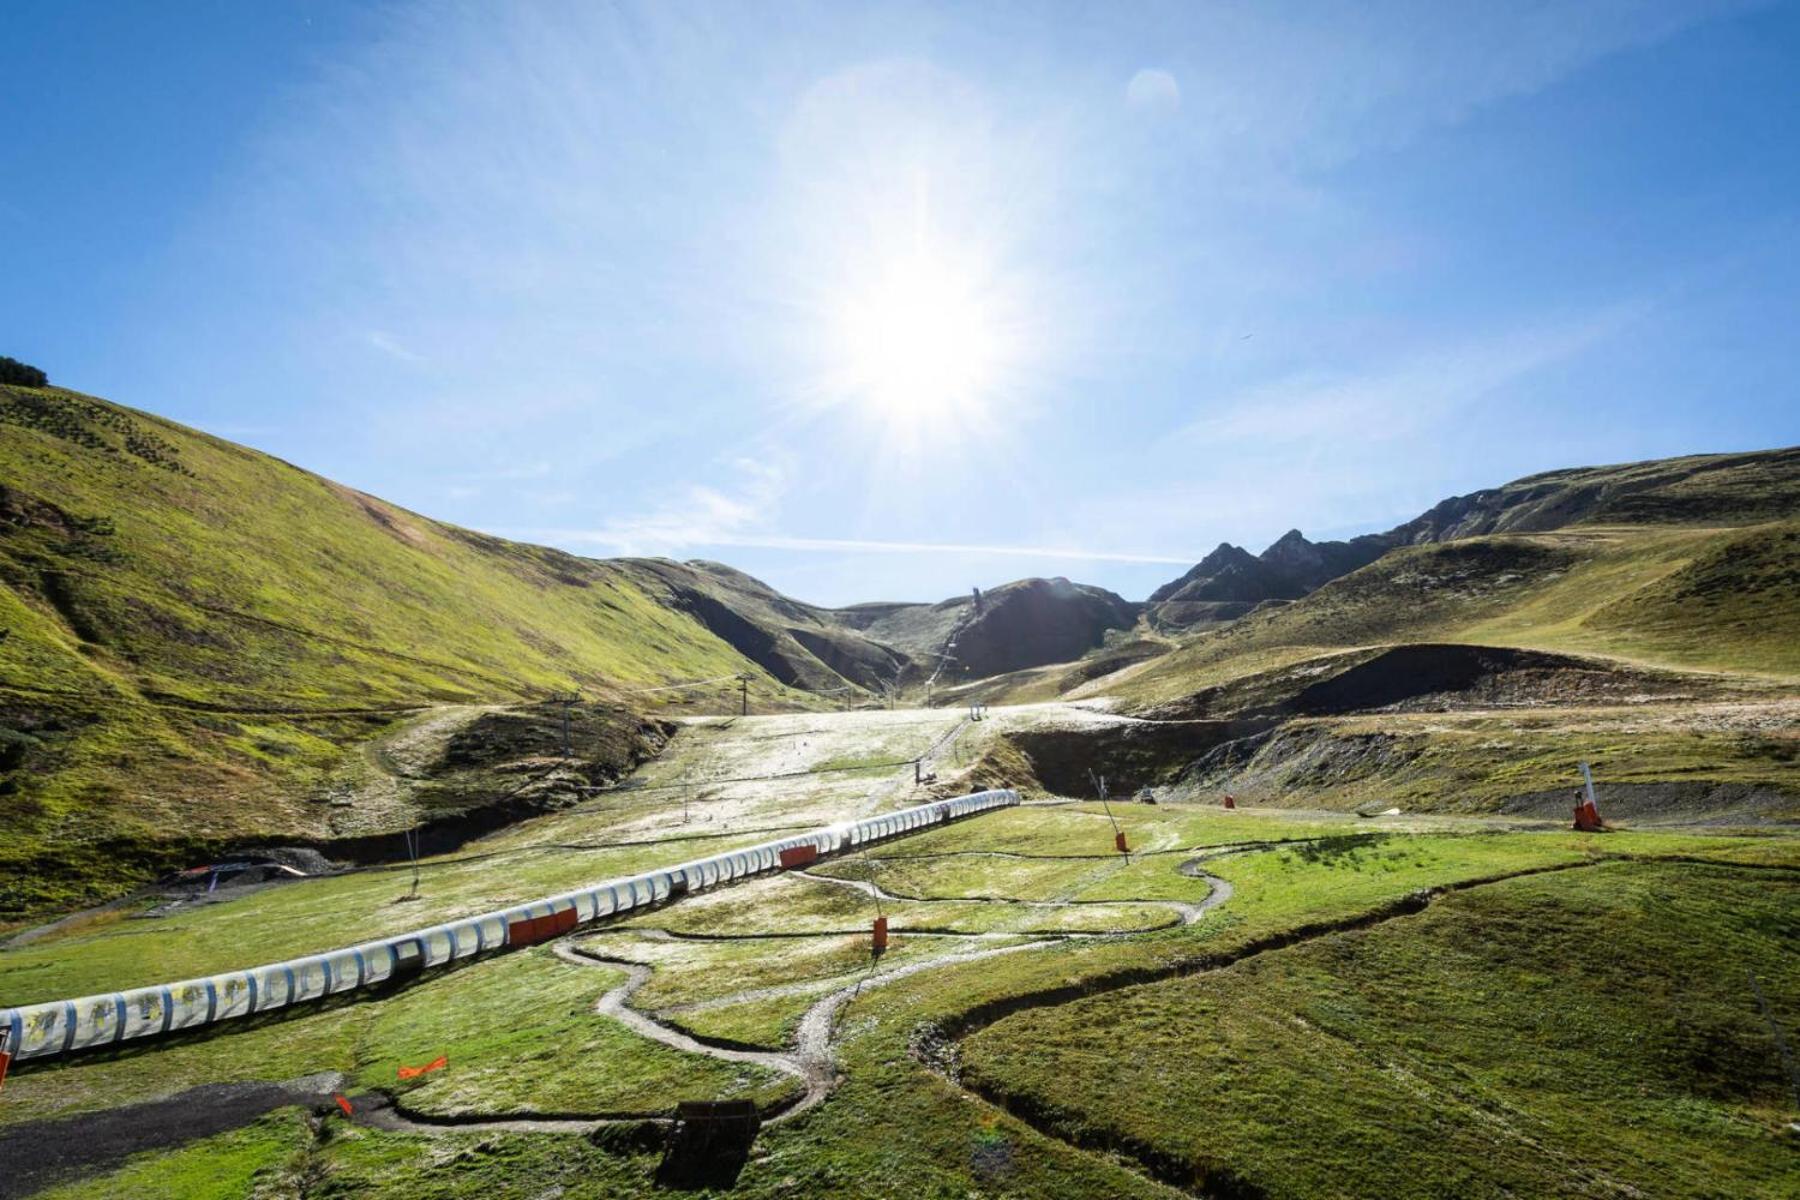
[1587, 817]
[1587, 812]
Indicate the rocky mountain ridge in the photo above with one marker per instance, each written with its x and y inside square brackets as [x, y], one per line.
[1729, 489]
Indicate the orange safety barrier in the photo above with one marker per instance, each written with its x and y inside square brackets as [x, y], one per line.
[798, 856]
[436, 1064]
[1230, 800]
[880, 934]
[1119, 841]
[540, 929]
[343, 1103]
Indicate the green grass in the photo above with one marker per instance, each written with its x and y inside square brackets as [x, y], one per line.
[180, 608]
[309, 917]
[521, 1035]
[522, 1038]
[284, 1048]
[1692, 598]
[281, 1156]
[1570, 1034]
[266, 1157]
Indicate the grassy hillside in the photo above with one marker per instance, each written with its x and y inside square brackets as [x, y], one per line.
[1014, 627]
[800, 644]
[195, 632]
[1708, 598]
[1697, 489]
[1589, 1032]
[1665, 654]
[1597, 981]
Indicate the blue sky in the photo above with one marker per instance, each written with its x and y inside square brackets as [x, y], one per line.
[881, 301]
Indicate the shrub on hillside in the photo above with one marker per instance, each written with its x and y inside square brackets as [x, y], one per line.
[22, 374]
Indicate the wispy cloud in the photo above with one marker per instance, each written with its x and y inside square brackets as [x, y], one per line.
[605, 537]
[1398, 398]
[697, 515]
[388, 345]
[743, 515]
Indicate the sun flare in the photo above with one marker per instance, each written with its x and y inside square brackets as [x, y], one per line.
[921, 343]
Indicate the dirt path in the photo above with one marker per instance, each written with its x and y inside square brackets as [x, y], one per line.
[810, 1060]
[36, 1154]
[813, 1072]
[86, 1144]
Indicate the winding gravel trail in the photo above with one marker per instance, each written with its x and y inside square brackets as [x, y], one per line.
[810, 1060]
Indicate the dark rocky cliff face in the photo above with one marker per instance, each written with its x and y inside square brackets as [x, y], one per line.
[1037, 621]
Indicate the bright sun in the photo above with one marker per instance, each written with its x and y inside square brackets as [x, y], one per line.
[920, 344]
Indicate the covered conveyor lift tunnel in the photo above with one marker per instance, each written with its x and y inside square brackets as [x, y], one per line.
[48, 1030]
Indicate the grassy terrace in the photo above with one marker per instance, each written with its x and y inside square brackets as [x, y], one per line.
[522, 1038]
[1579, 1033]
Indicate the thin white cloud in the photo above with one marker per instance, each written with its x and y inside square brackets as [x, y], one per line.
[1398, 398]
[1153, 89]
[743, 516]
[698, 515]
[386, 343]
[698, 535]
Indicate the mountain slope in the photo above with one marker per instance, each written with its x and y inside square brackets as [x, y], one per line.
[1026, 623]
[1708, 489]
[1230, 582]
[197, 634]
[799, 644]
[1699, 489]
[1686, 598]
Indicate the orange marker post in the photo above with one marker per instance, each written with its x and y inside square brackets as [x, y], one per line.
[1119, 842]
[879, 934]
[343, 1103]
[1230, 800]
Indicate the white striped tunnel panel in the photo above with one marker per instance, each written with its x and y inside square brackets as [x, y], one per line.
[145, 1011]
[58, 1027]
[99, 1021]
[234, 994]
[189, 1005]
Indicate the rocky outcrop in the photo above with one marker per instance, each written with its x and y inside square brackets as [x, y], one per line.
[1724, 488]
[1027, 623]
[1231, 581]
